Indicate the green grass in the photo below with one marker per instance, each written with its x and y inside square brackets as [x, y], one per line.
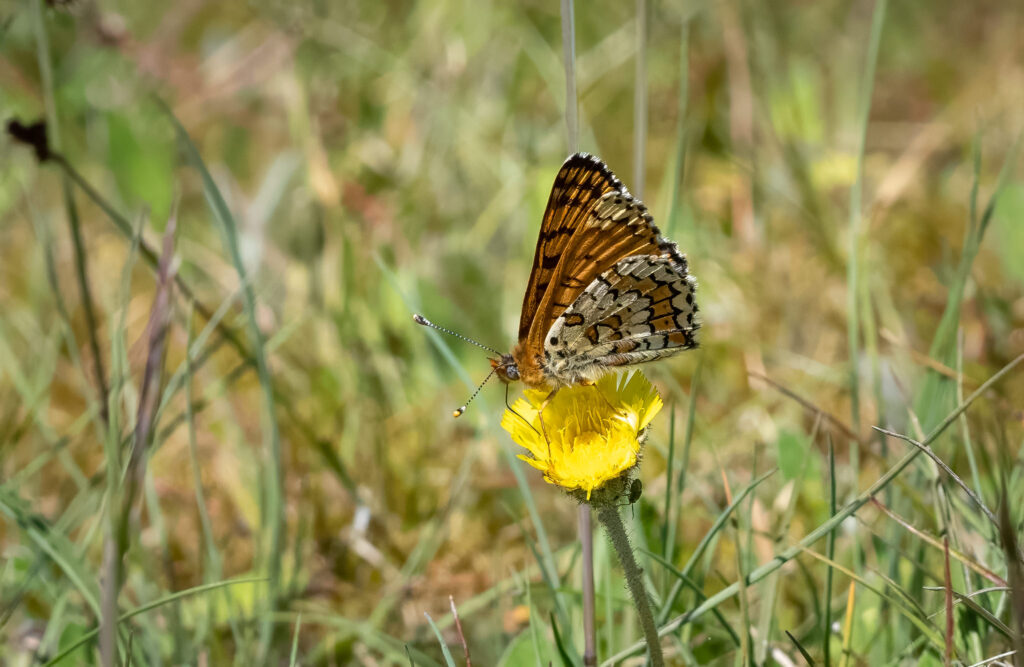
[304, 497]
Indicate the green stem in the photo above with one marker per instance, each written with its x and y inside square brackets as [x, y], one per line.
[830, 551]
[609, 517]
[589, 626]
[640, 99]
[572, 118]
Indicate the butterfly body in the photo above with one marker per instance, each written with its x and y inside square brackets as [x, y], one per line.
[606, 289]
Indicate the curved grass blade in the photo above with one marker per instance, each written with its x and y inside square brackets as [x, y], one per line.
[274, 508]
[566, 660]
[803, 651]
[440, 640]
[666, 607]
[148, 607]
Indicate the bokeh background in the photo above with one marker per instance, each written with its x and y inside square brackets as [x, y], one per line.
[361, 161]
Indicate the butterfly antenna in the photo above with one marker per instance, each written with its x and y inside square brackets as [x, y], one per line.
[460, 411]
[419, 319]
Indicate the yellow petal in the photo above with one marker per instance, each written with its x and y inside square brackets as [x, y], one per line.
[593, 432]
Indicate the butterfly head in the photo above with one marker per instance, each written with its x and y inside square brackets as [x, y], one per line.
[506, 368]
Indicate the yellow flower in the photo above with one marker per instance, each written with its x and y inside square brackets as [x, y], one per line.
[595, 433]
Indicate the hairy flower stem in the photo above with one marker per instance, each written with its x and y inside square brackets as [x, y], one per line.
[612, 522]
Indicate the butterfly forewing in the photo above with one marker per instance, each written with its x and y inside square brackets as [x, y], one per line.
[579, 185]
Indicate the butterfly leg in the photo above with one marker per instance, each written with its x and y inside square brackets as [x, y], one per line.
[591, 383]
[540, 418]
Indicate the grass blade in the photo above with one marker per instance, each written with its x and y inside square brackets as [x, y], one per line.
[448, 660]
[1014, 569]
[572, 116]
[803, 651]
[692, 585]
[830, 550]
[856, 219]
[848, 510]
[946, 469]
[273, 513]
[995, 658]
[89, 636]
[848, 625]
[978, 568]
[640, 100]
[292, 661]
[666, 607]
[676, 489]
[949, 603]
[562, 653]
[938, 391]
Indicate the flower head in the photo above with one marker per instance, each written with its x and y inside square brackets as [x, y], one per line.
[594, 433]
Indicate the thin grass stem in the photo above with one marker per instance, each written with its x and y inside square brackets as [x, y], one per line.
[830, 550]
[640, 100]
[572, 116]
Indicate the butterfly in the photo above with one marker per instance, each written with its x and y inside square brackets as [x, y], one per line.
[607, 290]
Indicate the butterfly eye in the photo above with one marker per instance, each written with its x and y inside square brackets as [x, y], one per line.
[512, 372]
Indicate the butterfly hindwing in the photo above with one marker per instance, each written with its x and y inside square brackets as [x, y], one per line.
[619, 226]
[641, 309]
[615, 226]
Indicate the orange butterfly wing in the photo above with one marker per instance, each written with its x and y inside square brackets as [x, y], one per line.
[590, 223]
[579, 185]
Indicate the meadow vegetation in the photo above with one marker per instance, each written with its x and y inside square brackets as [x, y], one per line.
[220, 425]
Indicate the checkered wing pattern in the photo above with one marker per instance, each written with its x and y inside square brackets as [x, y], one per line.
[641, 309]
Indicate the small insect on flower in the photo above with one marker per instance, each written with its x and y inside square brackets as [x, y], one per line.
[636, 489]
[596, 434]
[606, 291]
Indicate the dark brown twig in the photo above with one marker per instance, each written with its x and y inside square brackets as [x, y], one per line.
[33, 136]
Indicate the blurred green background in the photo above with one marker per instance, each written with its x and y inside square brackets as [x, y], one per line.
[361, 161]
